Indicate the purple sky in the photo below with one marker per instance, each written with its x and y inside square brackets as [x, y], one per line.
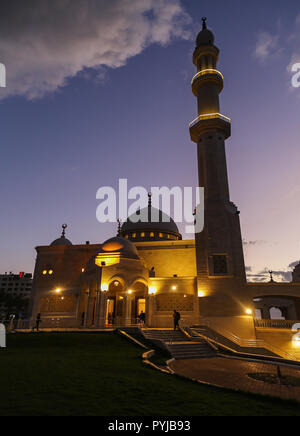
[98, 91]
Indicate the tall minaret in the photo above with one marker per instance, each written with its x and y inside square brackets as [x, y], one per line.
[220, 259]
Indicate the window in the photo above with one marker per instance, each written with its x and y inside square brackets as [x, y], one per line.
[142, 234]
[220, 266]
[151, 235]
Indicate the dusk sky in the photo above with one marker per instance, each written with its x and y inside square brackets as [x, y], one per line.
[99, 90]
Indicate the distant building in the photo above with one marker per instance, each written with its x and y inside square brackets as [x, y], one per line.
[296, 274]
[14, 287]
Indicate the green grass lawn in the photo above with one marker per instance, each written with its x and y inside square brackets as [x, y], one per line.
[103, 374]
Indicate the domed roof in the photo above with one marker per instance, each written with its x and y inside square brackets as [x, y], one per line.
[205, 37]
[151, 219]
[62, 240]
[120, 245]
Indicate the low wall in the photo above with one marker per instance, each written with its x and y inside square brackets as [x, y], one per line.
[280, 341]
[241, 327]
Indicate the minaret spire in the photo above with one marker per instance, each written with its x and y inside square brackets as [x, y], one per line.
[219, 247]
[64, 227]
[119, 228]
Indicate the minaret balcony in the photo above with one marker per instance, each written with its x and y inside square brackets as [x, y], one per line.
[208, 122]
[208, 75]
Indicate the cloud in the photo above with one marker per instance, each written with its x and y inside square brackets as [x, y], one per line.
[278, 275]
[267, 45]
[45, 42]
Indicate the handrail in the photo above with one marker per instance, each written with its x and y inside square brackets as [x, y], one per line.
[274, 323]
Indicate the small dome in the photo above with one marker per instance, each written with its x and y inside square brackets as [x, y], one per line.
[61, 241]
[205, 37]
[120, 245]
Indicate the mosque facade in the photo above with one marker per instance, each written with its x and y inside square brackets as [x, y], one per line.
[148, 267]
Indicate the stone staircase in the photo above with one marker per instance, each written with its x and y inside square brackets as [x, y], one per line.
[179, 345]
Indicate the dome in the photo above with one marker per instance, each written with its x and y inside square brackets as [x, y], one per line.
[61, 241]
[205, 37]
[121, 246]
[152, 225]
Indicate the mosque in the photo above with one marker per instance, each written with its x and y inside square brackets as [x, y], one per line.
[148, 267]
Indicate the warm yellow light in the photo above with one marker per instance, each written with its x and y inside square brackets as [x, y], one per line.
[152, 290]
[50, 272]
[248, 311]
[201, 294]
[208, 117]
[82, 270]
[130, 291]
[104, 287]
[44, 272]
[121, 298]
[58, 290]
[174, 288]
[107, 259]
[208, 71]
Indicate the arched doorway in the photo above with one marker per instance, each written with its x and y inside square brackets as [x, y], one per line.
[115, 303]
[139, 300]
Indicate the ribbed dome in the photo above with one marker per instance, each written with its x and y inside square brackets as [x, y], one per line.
[152, 224]
[120, 245]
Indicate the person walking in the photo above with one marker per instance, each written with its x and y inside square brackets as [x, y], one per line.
[176, 317]
[37, 323]
[142, 318]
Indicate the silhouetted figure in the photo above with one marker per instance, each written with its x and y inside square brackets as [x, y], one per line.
[152, 272]
[37, 323]
[142, 318]
[176, 317]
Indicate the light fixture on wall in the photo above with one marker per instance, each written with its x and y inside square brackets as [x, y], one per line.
[130, 292]
[152, 290]
[174, 288]
[58, 290]
[249, 312]
[201, 294]
[104, 287]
